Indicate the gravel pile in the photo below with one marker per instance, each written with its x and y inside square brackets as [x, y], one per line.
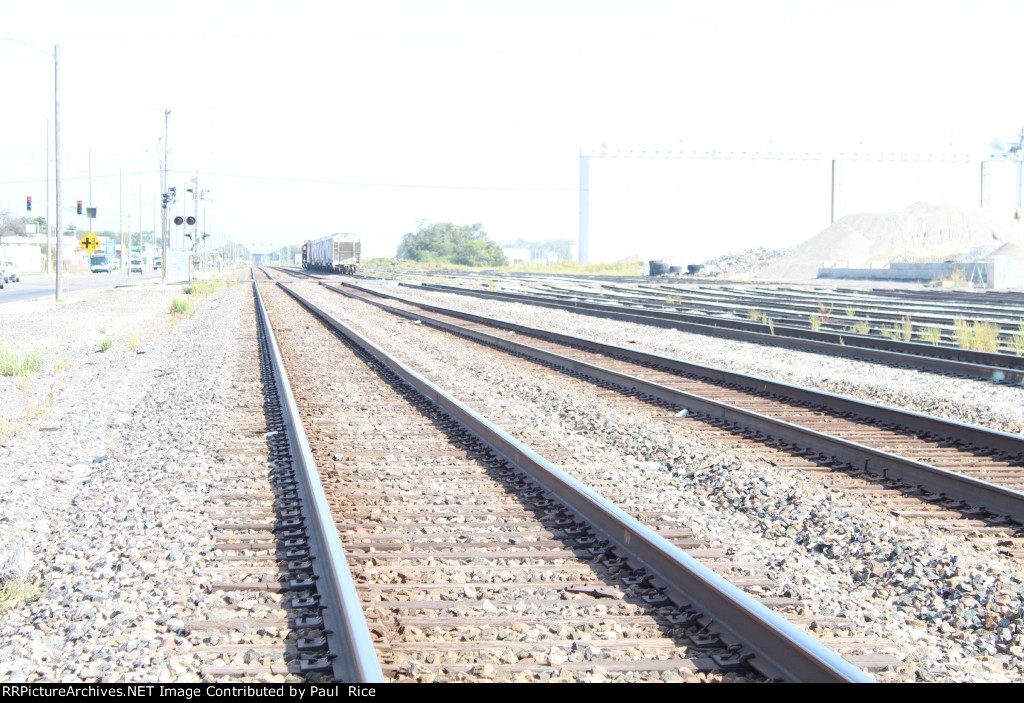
[107, 459]
[952, 604]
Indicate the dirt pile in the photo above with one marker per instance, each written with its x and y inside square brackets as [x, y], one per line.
[921, 232]
[748, 263]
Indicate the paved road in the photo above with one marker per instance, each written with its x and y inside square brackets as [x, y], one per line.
[37, 286]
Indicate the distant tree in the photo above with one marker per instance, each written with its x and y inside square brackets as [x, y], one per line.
[10, 225]
[444, 242]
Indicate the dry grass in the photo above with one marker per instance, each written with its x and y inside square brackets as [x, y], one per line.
[1017, 341]
[932, 335]
[980, 336]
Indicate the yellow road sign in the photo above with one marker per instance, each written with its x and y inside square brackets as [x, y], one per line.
[89, 243]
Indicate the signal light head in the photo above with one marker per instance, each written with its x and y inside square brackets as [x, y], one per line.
[190, 220]
[28, 203]
[178, 220]
[79, 207]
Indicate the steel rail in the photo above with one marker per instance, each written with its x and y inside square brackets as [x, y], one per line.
[804, 303]
[962, 362]
[996, 499]
[348, 635]
[973, 434]
[655, 309]
[780, 649]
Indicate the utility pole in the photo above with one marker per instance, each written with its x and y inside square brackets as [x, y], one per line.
[47, 270]
[120, 221]
[56, 170]
[163, 189]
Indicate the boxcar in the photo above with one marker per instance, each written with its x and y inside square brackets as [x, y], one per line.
[339, 253]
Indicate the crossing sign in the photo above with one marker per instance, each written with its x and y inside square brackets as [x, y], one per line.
[89, 243]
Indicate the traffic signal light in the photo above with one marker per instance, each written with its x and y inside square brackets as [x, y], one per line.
[178, 220]
[28, 203]
[190, 220]
[79, 207]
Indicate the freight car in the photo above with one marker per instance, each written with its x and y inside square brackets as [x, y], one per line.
[339, 253]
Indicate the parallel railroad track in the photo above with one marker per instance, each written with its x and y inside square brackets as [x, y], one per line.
[960, 467]
[469, 569]
[1000, 368]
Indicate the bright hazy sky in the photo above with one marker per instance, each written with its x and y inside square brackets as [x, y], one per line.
[308, 118]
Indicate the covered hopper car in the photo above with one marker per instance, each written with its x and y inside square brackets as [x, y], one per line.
[338, 253]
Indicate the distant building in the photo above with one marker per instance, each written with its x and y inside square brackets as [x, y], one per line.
[516, 255]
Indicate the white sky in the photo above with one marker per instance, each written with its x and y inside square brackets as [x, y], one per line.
[308, 118]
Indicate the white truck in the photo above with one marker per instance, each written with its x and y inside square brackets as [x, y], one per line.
[100, 262]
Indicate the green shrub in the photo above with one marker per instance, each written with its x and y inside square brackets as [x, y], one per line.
[181, 307]
[10, 365]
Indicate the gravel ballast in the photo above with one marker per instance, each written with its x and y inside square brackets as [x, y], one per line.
[107, 460]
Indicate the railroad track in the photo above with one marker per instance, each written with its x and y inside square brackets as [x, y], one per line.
[475, 558]
[997, 368]
[965, 468]
[258, 624]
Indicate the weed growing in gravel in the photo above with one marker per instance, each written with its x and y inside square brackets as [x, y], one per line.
[985, 336]
[861, 327]
[10, 365]
[14, 593]
[815, 322]
[754, 314]
[962, 332]
[980, 336]
[932, 335]
[906, 329]
[181, 307]
[133, 342]
[850, 312]
[1017, 341]
[199, 288]
[106, 344]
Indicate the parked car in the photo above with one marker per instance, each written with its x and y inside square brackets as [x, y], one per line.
[136, 265]
[12, 271]
[157, 262]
